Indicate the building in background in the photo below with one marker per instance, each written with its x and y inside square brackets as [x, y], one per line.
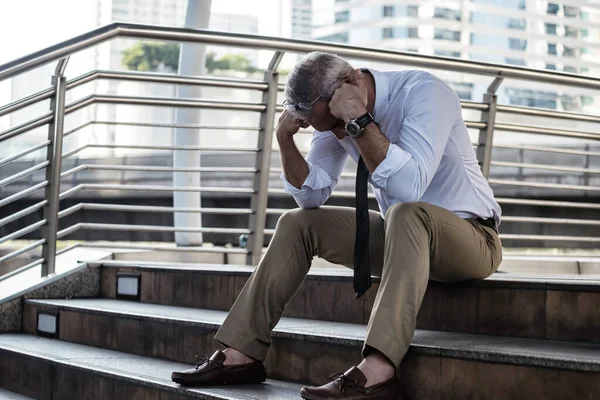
[530, 33]
[301, 17]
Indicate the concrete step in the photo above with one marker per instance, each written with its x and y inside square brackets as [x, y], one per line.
[559, 308]
[7, 395]
[53, 369]
[438, 363]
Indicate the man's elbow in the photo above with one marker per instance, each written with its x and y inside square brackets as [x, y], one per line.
[313, 201]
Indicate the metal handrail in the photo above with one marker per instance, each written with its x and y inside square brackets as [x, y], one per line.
[24, 173]
[149, 168]
[24, 152]
[157, 148]
[138, 31]
[22, 213]
[545, 167]
[23, 193]
[544, 185]
[549, 150]
[23, 231]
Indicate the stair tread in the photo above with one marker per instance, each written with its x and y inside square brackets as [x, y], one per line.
[563, 282]
[544, 353]
[136, 369]
[8, 395]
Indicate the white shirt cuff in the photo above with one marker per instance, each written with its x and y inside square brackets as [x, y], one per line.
[317, 179]
[395, 159]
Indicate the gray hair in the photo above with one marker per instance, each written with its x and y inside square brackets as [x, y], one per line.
[317, 74]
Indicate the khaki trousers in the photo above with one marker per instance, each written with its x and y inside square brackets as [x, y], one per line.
[415, 243]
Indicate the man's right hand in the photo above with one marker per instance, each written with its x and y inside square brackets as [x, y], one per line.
[289, 125]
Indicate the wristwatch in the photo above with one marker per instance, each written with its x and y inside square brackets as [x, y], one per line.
[354, 127]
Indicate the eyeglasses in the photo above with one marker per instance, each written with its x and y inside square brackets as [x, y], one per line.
[302, 107]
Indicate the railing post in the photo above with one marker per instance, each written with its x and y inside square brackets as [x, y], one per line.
[54, 157]
[486, 136]
[258, 204]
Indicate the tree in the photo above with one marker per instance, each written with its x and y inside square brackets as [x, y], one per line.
[149, 56]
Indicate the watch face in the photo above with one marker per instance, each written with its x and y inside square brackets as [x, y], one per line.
[352, 128]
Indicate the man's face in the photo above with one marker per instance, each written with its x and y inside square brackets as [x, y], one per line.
[320, 117]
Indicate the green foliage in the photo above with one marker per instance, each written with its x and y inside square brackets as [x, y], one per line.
[149, 56]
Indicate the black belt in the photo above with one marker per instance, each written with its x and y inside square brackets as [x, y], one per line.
[489, 222]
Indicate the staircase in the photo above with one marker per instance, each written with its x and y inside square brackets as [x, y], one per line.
[499, 338]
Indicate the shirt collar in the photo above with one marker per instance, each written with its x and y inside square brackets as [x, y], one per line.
[381, 95]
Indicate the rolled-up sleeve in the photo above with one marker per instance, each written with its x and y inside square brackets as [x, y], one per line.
[430, 113]
[326, 159]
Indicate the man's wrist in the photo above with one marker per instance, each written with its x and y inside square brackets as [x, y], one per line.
[354, 114]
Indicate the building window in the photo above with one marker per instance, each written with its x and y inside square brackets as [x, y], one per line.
[342, 17]
[446, 53]
[463, 90]
[552, 8]
[412, 11]
[515, 61]
[517, 44]
[531, 98]
[498, 21]
[389, 11]
[446, 34]
[551, 66]
[571, 31]
[570, 69]
[551, 29]
[514, 4]
[552, 49]
[387, 33]
[413, 32]
[447, 13]
[571, 12]
[341, 37]
[569, 51]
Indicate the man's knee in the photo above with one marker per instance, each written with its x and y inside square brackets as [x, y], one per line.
[296, 218]
[407, 212]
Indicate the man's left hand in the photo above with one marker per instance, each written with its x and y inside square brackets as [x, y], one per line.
[349, 101]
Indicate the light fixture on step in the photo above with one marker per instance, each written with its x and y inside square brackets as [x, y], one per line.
[47, 324]
[128, 285]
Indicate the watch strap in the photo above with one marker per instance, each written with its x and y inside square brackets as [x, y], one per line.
[364, 120]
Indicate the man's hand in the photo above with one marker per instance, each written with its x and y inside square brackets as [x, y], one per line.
[349, 101]
[289, 125]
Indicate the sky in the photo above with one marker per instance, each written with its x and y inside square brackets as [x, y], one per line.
[49, 22]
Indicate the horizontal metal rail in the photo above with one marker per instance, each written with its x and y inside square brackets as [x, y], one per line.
[79, 128]
[184, 126]
[23, 193]
[21, 269]
[154, 209]
[508, 236]
[23, 212]
[26, 101]
[23, 231]
[216, 249]
[548, 150]
[544, 185]
[151, 188]
[149, 168]
[540, 112]
[149, 228]
[541, 220]
[343, 175]
[548, 203]
[162, 102]
[545, 167]
[24, 152]
[163, 148]
[24, 173]
[547, 131]
[26, 126]
[153, 77]
[22, 250]
[127, 30]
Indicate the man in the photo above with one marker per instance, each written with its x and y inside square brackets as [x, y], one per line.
[438, 217]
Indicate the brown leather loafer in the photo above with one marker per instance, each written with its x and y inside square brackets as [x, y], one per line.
[351, 386]
[212, 372]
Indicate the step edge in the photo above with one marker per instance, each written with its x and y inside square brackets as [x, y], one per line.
[416, 348]
[120, 375]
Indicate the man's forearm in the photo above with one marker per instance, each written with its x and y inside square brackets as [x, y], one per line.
[294, 166]
[373, 146]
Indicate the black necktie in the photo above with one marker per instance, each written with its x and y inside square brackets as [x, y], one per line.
[362, 266]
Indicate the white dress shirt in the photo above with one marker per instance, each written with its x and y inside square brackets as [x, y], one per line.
[430, 158]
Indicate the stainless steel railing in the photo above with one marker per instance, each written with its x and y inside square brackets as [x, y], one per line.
[261, 170]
